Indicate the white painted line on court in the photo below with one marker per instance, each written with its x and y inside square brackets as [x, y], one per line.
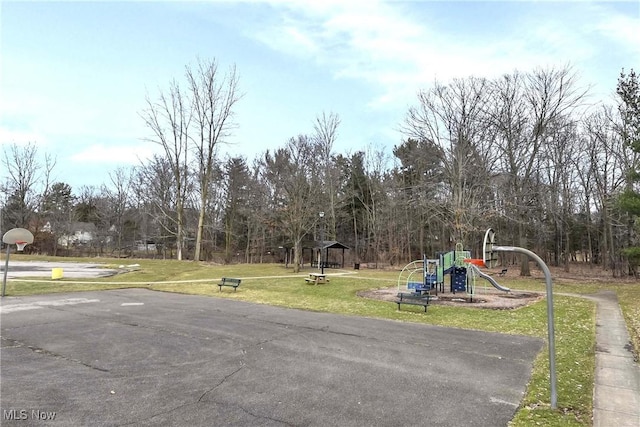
[10, 308]
[502, 402]
[125, 304]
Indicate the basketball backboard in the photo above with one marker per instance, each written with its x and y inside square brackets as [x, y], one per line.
[18, 236]
[488, 255]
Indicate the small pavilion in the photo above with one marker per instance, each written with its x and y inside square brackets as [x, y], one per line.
[329, 253]
[323, 253]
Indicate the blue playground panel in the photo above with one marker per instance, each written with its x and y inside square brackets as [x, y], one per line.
[459, 279]
[431, 280]
[415, 285]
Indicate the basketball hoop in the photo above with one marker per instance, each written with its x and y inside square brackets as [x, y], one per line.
[20, 237]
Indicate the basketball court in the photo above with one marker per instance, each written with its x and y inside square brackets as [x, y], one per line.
[140, 357]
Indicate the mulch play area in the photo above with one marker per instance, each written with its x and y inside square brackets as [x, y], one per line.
[484, 298]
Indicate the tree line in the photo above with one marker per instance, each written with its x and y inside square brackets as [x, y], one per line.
[528, 154]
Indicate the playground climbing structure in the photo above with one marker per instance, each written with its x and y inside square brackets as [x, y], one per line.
[428, 275]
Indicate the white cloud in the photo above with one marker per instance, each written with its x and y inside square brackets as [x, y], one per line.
[399, 52]
[100, 154]
[387, 49]
[368, 41]
[20, 137]
[622, 29]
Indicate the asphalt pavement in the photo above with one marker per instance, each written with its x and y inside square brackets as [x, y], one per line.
[23, 269]
[141, 358]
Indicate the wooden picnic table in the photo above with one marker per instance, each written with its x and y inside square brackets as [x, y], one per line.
[317, 278]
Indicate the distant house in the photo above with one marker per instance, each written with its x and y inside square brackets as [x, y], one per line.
[80, 233]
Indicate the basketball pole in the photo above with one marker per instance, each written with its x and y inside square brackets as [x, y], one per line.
[488, 248]
[6, 269]
[550, 316]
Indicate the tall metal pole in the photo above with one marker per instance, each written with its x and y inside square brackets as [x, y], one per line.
[322, 243]
[6, 269]
[550, 321]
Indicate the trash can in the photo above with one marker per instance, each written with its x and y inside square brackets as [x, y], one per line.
[356, 266]
[56, 273]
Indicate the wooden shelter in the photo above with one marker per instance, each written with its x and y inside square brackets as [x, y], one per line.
[327, 253]
[323, 254]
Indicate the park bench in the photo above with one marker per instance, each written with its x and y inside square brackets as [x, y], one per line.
[413, 299]
[503, 272]
[227, 281]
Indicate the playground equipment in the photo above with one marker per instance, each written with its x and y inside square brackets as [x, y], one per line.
[418, 275]
[428, 275]
[488, 278]
[407, 277]
[462, 267]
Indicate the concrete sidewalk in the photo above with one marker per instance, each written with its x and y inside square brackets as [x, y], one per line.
[616, 398]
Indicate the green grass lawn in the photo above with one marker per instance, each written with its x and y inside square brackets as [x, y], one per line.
[275, 285]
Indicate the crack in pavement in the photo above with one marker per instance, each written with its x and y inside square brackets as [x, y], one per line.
[201, 400]
[224, 379]
[157, 414]
[13, 343]
[263, 417]
[239, 406]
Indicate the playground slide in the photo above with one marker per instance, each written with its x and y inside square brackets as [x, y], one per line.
[489, 279]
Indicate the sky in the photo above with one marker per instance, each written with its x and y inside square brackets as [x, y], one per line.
[74, 75]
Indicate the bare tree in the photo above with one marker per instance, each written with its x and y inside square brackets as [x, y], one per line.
[559, 189]
[261, 221]
[119, 197]
[452, 118]
[156, 191]
[584, 170]
[375, 163]
[523, 109]
[608, 159]
[169, 119]
[292, 174]
[23, 170]
[213, 98]
[326, 134]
